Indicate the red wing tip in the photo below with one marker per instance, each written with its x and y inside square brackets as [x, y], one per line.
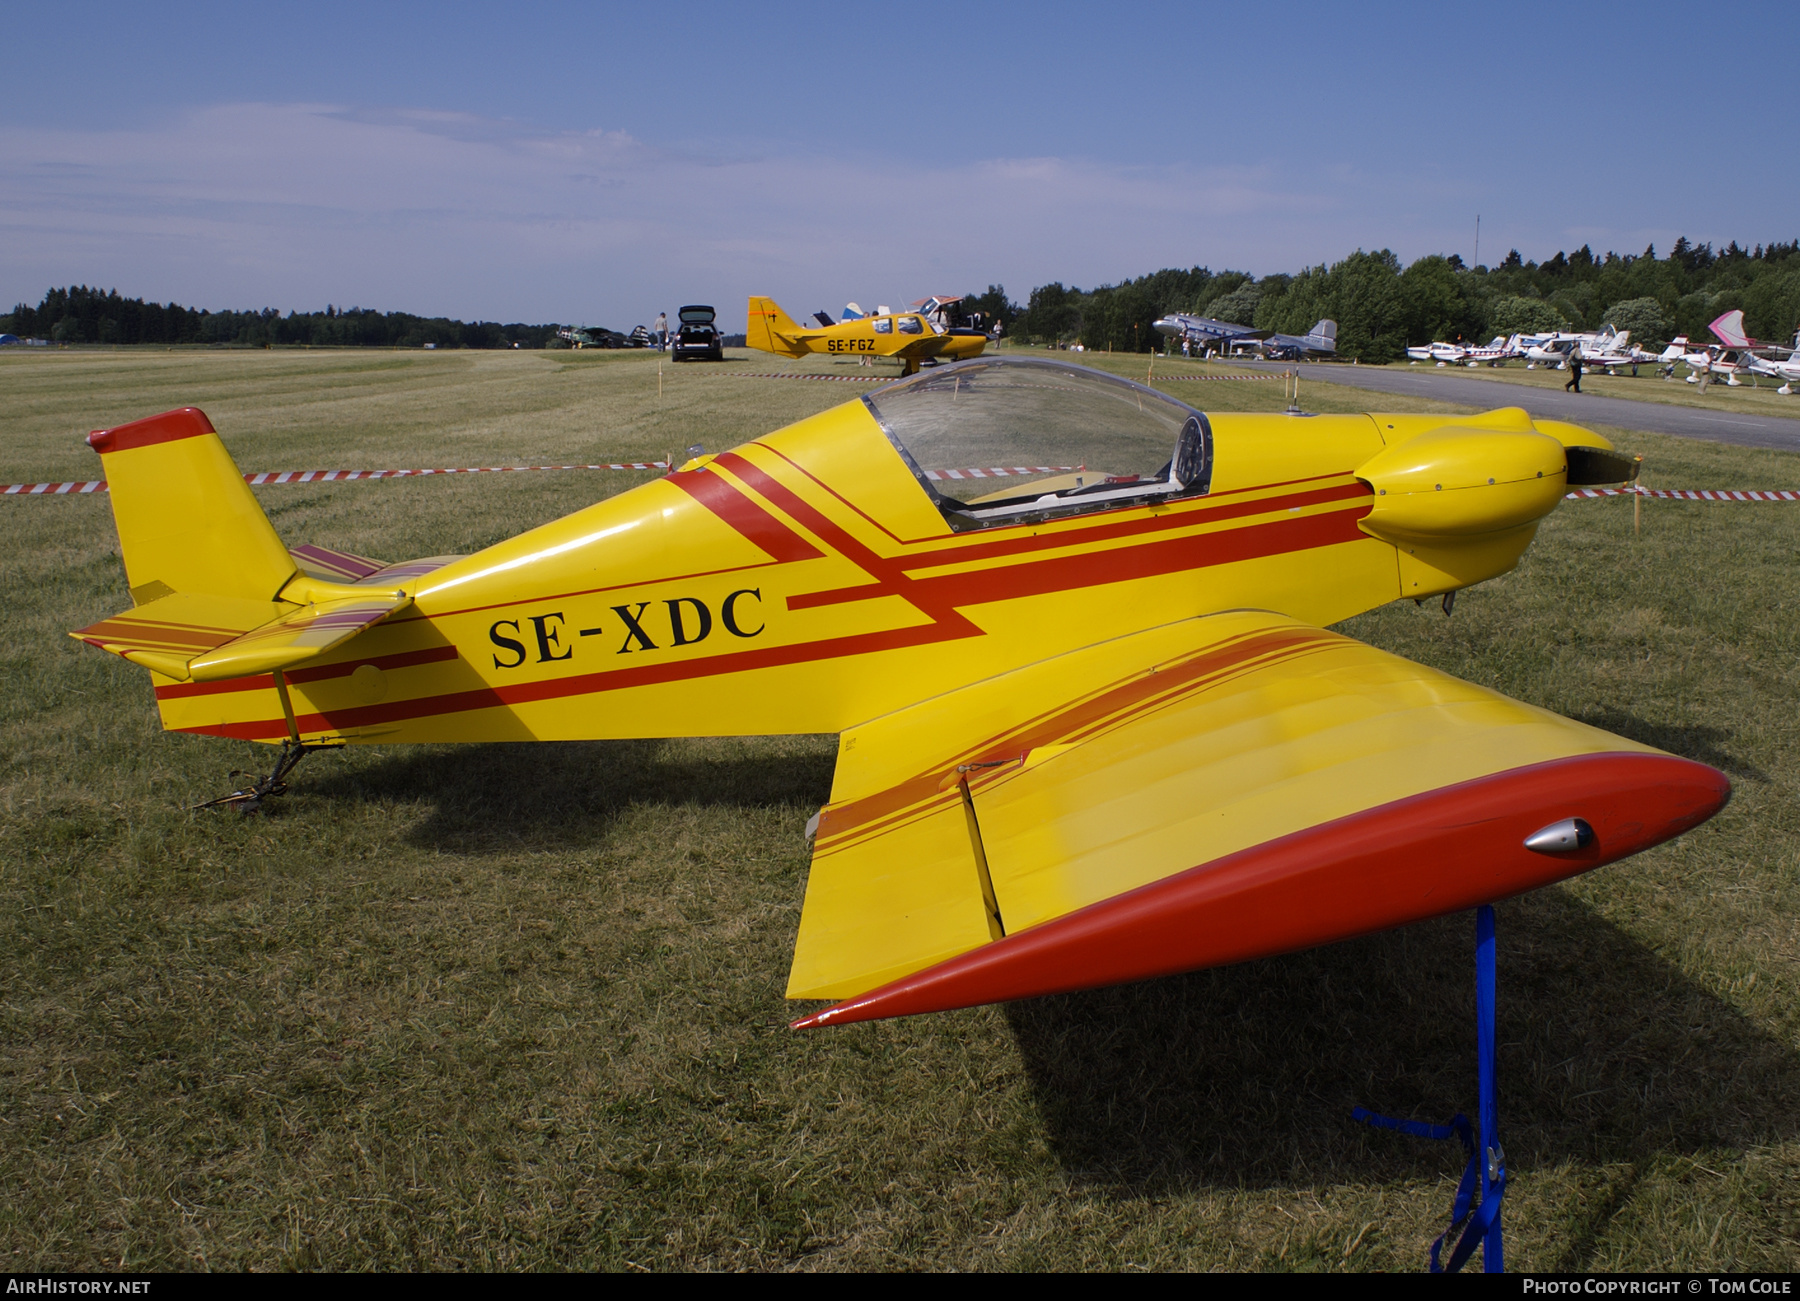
[169, 427]
[837, 1014]
[1151, 930]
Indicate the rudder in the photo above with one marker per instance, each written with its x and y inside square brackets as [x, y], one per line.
[770, 329]
[187, 521]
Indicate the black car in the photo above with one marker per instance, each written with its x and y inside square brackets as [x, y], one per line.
[698, 336]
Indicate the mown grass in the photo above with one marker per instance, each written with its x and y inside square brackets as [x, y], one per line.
[520, 1006]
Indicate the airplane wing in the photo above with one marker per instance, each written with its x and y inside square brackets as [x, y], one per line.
[1211, 791]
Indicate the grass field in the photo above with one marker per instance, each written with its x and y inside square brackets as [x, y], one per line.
[520, 1006]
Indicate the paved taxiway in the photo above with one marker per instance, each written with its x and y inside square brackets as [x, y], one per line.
[1744, 429]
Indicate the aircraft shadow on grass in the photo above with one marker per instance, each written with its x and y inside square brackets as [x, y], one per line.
[493, 798]
[1245, 1076]
[1709, 745]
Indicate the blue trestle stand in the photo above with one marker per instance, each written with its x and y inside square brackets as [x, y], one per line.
[1475, 1214]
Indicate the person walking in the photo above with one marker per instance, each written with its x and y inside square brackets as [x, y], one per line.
[1704, 371]
[662, 331]
[1574, 381]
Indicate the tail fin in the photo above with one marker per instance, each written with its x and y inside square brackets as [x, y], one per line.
[771, 329]
[1326, 330]
[216, 594]
[187, 521]
[1729, 329]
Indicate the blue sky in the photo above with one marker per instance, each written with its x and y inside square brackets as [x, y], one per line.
[598, 163]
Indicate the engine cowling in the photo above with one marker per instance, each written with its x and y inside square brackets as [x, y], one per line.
[1460, 502]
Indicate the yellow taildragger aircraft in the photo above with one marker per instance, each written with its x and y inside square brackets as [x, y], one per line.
[1071, 633]
[910, 336]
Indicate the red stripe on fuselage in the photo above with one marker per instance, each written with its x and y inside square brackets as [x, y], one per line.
[730, 505]
[1181, 513]
[592, 683]
[1146, 560]
[297, 677]
[936, 598]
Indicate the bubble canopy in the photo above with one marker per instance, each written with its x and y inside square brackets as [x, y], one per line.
[1008, 440]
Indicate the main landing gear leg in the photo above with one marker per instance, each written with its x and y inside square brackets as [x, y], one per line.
[1475, 1214]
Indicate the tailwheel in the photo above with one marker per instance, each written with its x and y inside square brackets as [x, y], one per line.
[248, 800]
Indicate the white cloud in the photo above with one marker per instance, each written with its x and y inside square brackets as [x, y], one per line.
[295, 205]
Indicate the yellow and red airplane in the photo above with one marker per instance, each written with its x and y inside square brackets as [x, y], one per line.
[1071, 632]
[912, 337]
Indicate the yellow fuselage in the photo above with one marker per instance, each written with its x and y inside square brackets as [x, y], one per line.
[805, 582]
[909, 337]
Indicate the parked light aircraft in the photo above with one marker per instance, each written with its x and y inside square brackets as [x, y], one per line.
[1729, 330]
[908, 336]
[1496, 353]
[1073, 634]
[943, 311]
[1787, 369]
[591, 337]
[1723, 364]
[1452, 354]
[1552, 349]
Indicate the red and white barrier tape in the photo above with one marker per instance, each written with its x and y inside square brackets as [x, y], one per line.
[1684, 494]
[83, 486]
[321, 476]
[1196, 379]
[797, 374]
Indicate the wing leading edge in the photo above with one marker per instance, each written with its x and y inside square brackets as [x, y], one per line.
[1243, 785]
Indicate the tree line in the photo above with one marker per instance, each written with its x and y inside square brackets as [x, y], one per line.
[79, 314]
[1381, 306]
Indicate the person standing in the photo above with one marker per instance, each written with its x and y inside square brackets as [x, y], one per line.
[1704, 370]
[1574, 381]
[662, 331]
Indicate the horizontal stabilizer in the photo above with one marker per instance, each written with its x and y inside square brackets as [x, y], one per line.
[164, 634]
[295, 638]
[209, 638]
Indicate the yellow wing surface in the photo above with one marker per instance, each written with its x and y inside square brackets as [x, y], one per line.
[1216, 789]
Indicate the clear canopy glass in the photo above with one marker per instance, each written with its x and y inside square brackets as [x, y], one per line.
[1004, 440]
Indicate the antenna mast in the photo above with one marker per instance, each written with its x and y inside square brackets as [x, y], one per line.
[1477, 261]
